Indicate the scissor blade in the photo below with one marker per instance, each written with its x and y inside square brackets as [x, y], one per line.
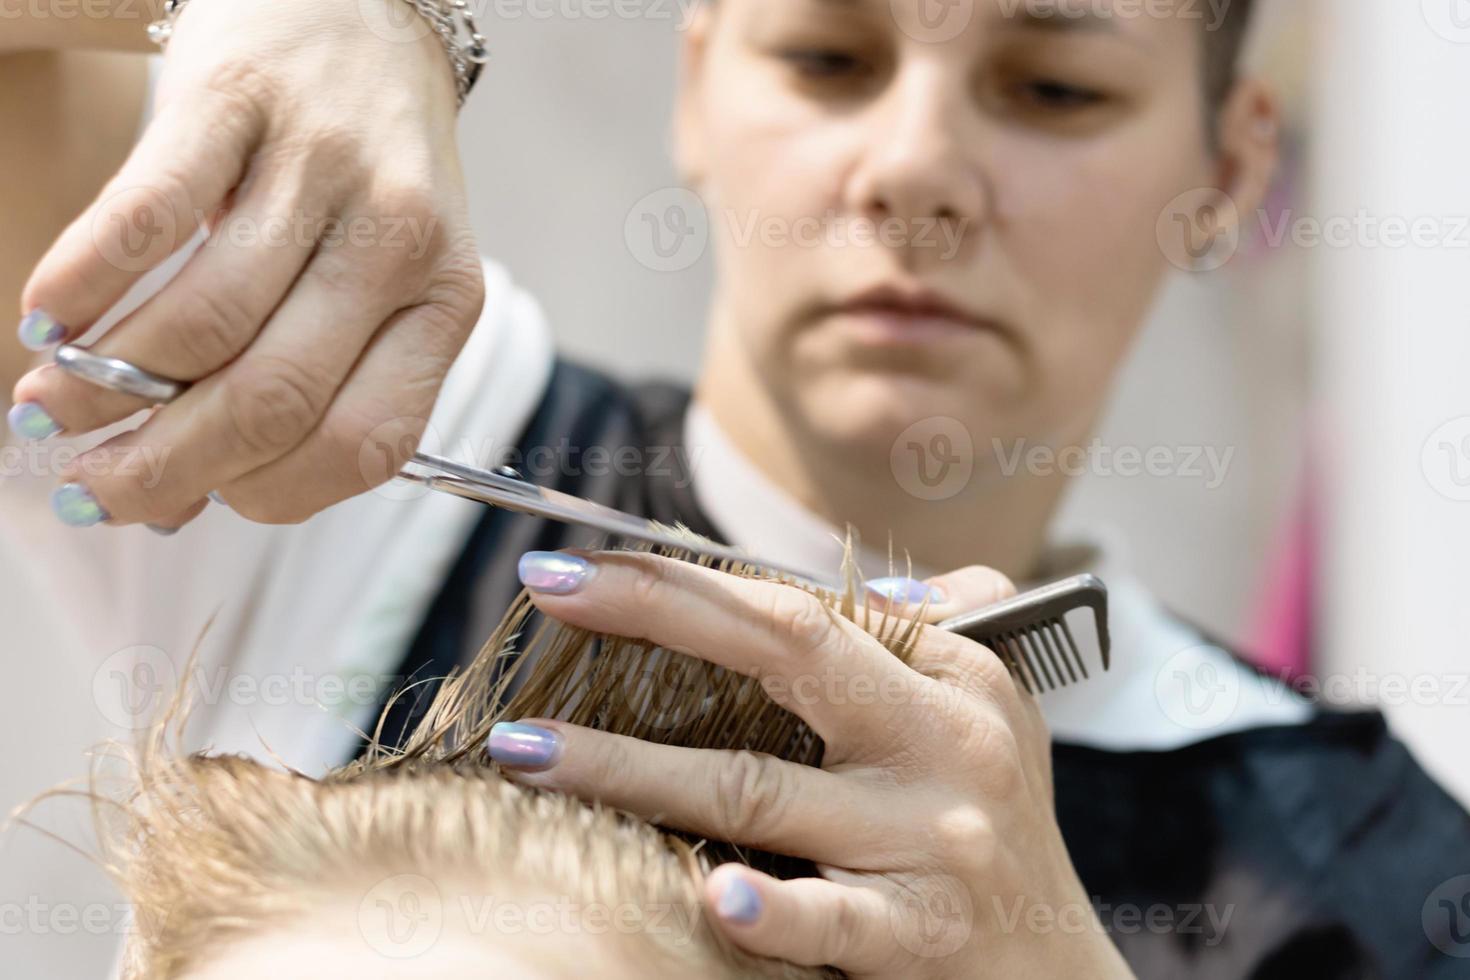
[510, 493]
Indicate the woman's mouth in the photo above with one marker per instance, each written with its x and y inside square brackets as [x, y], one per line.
[891, 315]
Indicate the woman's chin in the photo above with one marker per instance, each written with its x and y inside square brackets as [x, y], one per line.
[869, 414]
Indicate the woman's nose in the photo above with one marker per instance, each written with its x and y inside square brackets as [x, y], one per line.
[918, 162]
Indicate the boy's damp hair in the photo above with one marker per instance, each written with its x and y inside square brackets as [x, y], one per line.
[216, 850]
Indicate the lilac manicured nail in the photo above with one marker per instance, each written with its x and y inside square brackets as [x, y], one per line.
[76, 507]
[523, 746]
[739, 902]
[906, 590]
[161, 531]
[39, 330]
[30, 421]
[553, 572]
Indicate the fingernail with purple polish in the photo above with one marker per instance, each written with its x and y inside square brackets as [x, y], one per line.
[523, 746]
[30, 421]
[739, 902]
[553, 572]
[76, 507]
[38, 331]
[906, 590]
[161, 531]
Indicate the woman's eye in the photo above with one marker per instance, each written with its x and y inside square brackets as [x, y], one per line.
[823, 63]
[1048, 94]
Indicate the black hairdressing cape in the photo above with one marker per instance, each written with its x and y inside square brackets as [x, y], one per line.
[1319, 850]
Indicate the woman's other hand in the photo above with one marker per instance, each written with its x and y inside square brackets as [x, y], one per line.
[932, 817]
[340, 279]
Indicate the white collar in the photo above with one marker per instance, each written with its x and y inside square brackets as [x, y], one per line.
[1168, 686]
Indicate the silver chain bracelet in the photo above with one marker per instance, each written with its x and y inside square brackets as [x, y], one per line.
[467, 54]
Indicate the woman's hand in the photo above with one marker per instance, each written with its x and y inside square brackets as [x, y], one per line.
[932, 816]
[340, 280]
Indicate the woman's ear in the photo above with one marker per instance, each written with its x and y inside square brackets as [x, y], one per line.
[689, 136]
[1248, 141]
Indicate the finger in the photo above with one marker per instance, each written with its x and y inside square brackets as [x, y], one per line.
[188, 160]
[962, 591]
[964, 667]
[63, 399]
[257, 409]
[807, 921]
[810, 660]
[374, 425]
[746, 798]
[173, 525]
[199, 322]
[965, 670]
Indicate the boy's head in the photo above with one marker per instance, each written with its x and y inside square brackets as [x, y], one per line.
[237, 871]
[953, 208]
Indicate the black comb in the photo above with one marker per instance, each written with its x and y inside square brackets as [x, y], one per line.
[1029, 632]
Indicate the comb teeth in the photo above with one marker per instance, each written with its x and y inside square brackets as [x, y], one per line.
[1043, 657]
[1015, 660]
[1044, 636]
[1030, 635]
[1059, 629]
[1048, 683]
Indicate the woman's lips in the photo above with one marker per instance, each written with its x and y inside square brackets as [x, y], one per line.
[890, 317]
[890, 327]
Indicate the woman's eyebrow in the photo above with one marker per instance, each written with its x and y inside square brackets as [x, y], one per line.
[833, 8]
[1063, 19]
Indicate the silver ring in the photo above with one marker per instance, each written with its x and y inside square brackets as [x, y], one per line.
[117, 375]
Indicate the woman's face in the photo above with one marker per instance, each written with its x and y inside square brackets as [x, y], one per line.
[927, 210]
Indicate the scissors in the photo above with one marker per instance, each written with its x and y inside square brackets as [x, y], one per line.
[502, 487]
[505, 488]
[1029, 632]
